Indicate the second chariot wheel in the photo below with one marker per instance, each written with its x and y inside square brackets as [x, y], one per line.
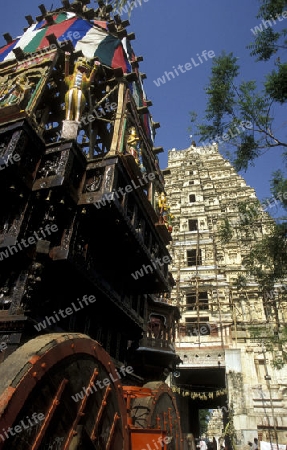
[158, 411]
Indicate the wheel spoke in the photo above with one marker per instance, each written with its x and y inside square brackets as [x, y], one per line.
[80, 412]
[49, 415]
[111, 435]
[100, 412]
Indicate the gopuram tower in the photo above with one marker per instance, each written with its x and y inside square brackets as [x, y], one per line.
[217, 219]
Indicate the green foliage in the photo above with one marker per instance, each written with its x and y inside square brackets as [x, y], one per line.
[238, 106]
[225, 231]
[249, 212]
[273, 341]
[245, 106]
[276, 84]
[247, 152]
[240, 282]
[267, 260]
[229, 431]
[222, 98]
[268, 42]
[204, 417]
[265, 44]
[220, 90]
[279, 187]
[269, 8]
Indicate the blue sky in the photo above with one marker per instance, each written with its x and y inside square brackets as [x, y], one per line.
[170, 33]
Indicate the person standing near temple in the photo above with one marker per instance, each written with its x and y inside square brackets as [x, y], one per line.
[255, 444]
[202, 444]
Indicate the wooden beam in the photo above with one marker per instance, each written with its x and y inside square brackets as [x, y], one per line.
[157, 150]
[119, 124]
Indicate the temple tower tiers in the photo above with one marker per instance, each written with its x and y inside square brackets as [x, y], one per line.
[215, 425]
[217, 218]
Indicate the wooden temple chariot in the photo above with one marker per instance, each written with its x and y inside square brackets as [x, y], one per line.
[82, 208]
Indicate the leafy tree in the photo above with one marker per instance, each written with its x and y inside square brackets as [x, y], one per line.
[279, 187]
[225, 231]
[229, 430]
[268, 42]
[240, 112]
[273, 342]
[204, 417]
[267, 260]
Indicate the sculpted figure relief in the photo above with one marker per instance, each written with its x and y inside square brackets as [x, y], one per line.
[16, 91]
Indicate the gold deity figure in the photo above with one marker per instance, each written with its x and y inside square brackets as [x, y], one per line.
[164, 211]
[78, 84]
[133, 137]
[162, 202]
[132, 143]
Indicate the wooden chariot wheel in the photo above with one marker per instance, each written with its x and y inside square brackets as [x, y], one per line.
[158, 411]
[39, 405]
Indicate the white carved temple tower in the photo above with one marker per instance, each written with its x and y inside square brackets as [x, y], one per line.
[222, 366]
